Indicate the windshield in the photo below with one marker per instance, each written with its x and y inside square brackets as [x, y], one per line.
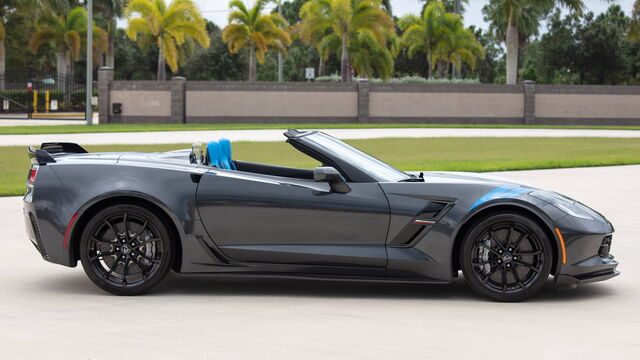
[377, 169]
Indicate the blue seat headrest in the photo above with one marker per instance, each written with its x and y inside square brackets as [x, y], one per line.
[219, 154]
[213, 153]
[225, 149]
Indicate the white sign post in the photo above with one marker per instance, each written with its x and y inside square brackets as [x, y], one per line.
[5, 104]
[54, 105]
[310, 73]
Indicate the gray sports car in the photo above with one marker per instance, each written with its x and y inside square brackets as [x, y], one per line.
[131, 217]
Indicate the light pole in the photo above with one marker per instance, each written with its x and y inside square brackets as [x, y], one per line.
[88, 107]
[280, 65]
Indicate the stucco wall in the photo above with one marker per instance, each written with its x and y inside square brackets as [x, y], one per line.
[142, 102]
[271, 103]
[460, 105]
[181, 101]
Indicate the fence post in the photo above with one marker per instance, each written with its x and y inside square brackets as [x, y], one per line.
[105, 77]
[363, 101]
[178, 99]
[529, 102]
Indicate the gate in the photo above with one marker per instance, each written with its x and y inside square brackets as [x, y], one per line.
[42, 95]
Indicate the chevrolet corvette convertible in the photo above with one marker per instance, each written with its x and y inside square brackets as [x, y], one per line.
[130, 218]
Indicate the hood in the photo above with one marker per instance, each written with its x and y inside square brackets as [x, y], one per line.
[467, 177]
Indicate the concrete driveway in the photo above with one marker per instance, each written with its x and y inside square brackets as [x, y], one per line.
[188, 137]
[49, 311]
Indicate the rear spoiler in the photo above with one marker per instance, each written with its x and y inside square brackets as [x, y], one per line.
[43, 156]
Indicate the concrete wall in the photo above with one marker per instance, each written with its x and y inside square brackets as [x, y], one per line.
[220, 102]
[180, 101]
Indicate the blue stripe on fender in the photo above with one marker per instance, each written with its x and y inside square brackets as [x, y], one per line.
[505, 192]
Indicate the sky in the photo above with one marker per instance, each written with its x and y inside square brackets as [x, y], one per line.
[216, 10]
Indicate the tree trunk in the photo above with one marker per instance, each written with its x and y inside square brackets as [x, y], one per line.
[2, 64]
[430, 66]
[111, 62]
[345, 66]
[253, 71]
[68, 78]
[61, 69]
[110, 58]
[162, 67]
[512, 52]
[321, 67]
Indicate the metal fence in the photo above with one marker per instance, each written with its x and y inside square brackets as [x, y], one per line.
[41, 92]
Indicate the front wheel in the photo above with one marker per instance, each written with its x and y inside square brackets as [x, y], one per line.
[125, 249]
[506, 257]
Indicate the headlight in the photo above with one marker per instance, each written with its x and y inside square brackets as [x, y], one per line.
[566, 205]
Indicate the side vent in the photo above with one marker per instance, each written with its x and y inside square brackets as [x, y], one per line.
[420, 225]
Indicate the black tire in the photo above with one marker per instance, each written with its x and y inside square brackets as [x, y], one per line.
[506, 257]
[126, 249]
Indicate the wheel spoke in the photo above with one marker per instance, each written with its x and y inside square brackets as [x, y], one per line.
[517, 277]
[124, 223]
[124, 274]
[484, 281]
[479, 263]
[111, 227]
[144, 226]
[504, 278]
[111, 268]
[528, 253]
[509, 236]
[145, 274]
[149, 259]
[495, 239]
[530, 266]
[519, 241]
[97, 256]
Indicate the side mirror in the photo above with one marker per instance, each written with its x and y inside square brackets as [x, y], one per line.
[333, 177]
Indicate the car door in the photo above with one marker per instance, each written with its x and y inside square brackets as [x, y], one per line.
[270, 219]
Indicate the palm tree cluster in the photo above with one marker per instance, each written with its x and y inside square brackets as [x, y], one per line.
[442, 37]
[361, 34]
[256, 32]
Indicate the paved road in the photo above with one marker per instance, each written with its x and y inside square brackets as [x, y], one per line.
[48, 311]
[167, 137]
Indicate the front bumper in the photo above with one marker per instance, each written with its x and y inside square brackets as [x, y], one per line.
[590, 270]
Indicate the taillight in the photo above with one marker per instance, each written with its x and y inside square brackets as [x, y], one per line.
[32, 175]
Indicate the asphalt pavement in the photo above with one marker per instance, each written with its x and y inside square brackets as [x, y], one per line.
[49, 311]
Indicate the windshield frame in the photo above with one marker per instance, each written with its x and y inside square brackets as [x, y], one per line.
[333, 148]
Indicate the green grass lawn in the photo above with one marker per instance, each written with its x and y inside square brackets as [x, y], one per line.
[68, 129]
[454, 154]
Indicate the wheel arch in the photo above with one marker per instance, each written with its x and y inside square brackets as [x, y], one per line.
[86, 212]
[521, 208]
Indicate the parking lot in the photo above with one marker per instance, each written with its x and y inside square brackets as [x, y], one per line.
[49, 311]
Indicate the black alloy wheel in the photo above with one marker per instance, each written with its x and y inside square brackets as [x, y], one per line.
[506, 257]
[125, 249]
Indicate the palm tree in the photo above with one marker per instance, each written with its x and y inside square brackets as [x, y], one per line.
[458, 45]
[452, 6]
[347, 20]
[168, 27]
[368, 56]
[634, 32]
[67, 33]
[111, 11]
[252, 30]
[426, 33]
[511, 12]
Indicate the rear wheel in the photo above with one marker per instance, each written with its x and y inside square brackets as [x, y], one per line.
[125, 249]
[506, 257]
